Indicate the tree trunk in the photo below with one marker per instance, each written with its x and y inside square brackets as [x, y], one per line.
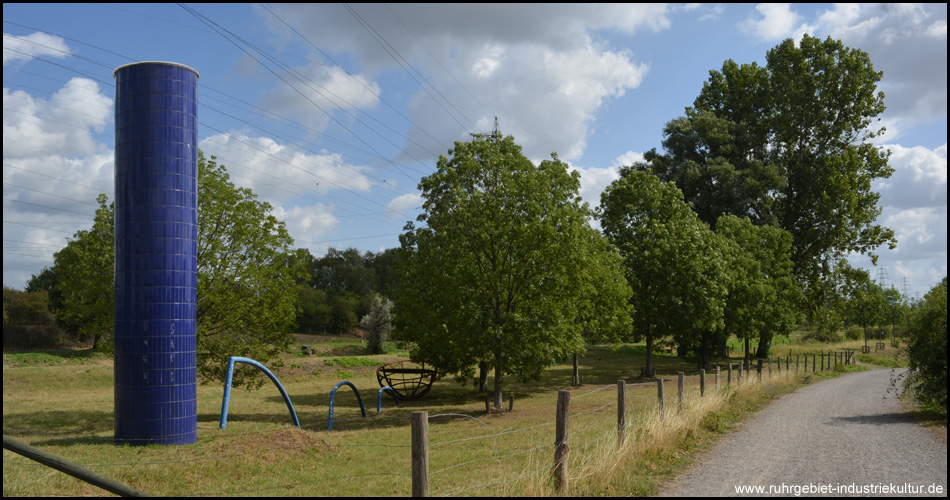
[575, 379]
[704, 350]
[499, 378]
[681, 349]
[723, 350]
[746, 356]
[649, 368]
[482, 376]
[765, 345]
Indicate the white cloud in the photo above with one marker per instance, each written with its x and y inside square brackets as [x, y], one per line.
[914, 203]
[540, 71]
[627, 159]
[774, 21]
[308, 223]
[62, 125]
[278, 172]
[595, 180]
[400, 205]
[919, 179]
[24, 48]
[319, 91]
[907, 42]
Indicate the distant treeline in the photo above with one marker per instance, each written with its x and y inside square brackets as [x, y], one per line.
[339, 289]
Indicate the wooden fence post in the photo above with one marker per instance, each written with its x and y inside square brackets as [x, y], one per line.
[420, 453]
[679, 386]
[717, 379]
[659, 396]
[702, 382]
[739, 373]
[729, 376]
[575, 378]
[560, 441]
[621, 412]
[770, 368]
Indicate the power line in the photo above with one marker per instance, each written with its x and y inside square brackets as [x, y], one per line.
[214, 25]
[391, 50]
[368, 89]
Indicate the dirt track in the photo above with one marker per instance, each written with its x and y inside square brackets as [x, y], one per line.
[837, 432]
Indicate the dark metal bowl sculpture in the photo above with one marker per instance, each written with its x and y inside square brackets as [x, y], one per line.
[408, 379]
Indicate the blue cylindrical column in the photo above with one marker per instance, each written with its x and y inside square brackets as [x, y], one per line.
[156, 247]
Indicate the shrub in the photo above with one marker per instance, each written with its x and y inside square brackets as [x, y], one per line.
[853, 333]
[31, 336]
[927, 349]
[379, 324]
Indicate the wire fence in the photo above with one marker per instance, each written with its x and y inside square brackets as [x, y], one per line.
[507, 456]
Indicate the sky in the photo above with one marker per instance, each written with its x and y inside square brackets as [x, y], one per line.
[332, 113]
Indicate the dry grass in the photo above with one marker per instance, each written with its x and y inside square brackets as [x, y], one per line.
[65, 407]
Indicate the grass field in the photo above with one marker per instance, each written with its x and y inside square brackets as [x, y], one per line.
[61, 402]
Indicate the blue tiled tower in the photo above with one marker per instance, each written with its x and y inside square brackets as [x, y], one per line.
[156, 247]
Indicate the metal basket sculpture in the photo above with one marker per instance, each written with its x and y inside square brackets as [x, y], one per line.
[408, 379]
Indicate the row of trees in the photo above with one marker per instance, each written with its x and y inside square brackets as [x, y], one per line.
[340, 287]
[788, 145]
[739, 227]
[763, 188]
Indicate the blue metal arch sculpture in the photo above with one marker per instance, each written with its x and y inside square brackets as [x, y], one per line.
[333, 395]
[379, 398]
[227, 389]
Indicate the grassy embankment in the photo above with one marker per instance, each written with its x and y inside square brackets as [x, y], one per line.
[61, 402]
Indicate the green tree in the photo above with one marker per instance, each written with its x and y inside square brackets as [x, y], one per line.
[788, 144]
[927, 349]
[895, 311]
[313, 310]
[492, 275]
[673, 262]
[247, 276]
[84, 280]
[866, 304]
[764, 298]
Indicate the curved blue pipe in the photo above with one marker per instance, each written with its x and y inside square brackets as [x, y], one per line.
[227, 389]
[379, 398]
[333, 395]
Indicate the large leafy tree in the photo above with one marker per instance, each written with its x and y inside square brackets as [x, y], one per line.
[788, 144]
[504, 268]
[247, 275]
[673, 262]
[764, 297]
[81, 279]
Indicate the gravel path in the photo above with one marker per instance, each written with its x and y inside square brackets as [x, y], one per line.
[836, 432]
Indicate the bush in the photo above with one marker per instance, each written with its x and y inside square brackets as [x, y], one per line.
[378, 323]
[823, 336]
[927, 349]
[31, 336]
[853, 333]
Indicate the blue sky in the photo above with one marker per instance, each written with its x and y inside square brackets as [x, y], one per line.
[333, 112]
